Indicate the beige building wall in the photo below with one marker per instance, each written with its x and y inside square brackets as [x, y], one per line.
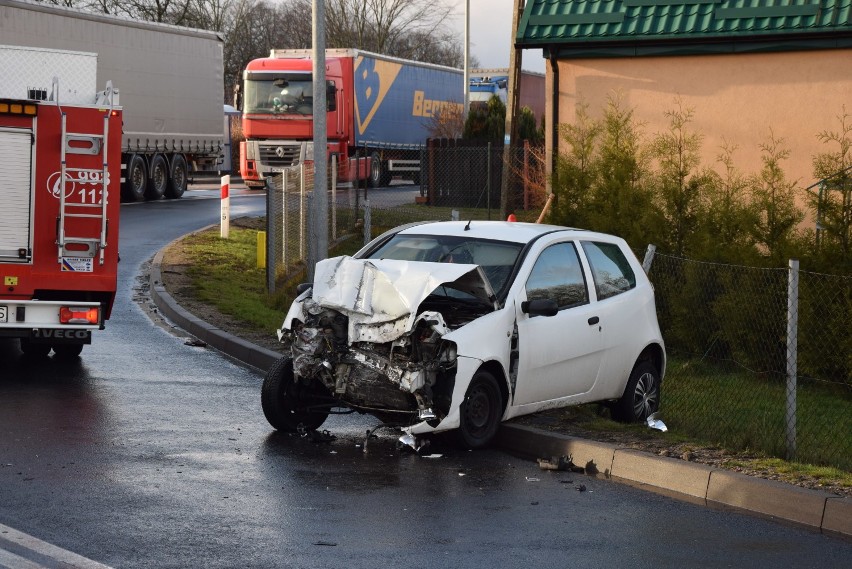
[735, 98]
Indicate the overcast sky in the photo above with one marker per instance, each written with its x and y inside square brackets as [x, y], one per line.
[491, 33]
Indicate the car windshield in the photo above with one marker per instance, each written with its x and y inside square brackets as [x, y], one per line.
[278, 93]
[496, 258]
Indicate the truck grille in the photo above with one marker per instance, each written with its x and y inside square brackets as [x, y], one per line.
[279, 156]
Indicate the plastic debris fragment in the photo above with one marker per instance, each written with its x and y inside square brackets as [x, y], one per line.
[655, 423]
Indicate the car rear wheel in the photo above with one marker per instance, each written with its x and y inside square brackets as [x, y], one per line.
[480, 412]
[285, 402]
[641, 396]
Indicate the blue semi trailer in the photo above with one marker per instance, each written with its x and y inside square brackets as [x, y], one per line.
[381, 110]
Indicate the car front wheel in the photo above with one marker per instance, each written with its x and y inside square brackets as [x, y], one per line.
[285, 402]
[641, 396]
[480, 412]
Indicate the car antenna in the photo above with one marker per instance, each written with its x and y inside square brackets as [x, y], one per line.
[467, 227]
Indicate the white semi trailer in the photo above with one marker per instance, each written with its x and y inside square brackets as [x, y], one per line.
[169, 80]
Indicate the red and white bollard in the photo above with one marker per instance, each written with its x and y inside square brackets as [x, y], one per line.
[225, 208]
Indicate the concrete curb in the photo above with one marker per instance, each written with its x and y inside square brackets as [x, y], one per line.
[680, 479]
[689, 481]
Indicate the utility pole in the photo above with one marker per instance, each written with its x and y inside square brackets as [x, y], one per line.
[512, 104]
[318, 226]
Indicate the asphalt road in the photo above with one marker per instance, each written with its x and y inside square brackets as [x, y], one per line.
[148, 452]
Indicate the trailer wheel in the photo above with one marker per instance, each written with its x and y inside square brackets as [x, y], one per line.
[67, 351]
[177, 177]
[159, 178]
[136, 179]
[34, 350]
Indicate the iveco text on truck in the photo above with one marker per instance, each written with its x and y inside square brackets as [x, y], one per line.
[60, 172]
[170, 80]
[379, 107]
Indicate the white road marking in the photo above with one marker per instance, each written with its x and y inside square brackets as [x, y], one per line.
[42, 549]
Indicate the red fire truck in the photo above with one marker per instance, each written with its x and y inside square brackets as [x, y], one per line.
[60, 176]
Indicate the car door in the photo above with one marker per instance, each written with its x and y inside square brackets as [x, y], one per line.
[558, 356]
[622, 318]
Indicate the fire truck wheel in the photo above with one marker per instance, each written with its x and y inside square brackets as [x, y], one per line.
[67, 351]
[159, 173]
[136, 180]
[34, 350]
[177, 177]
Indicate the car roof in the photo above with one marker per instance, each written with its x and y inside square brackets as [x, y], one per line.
[513, 231]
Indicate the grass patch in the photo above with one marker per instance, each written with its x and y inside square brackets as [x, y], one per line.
[744, 411]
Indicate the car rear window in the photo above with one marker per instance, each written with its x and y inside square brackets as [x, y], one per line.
[610, 269]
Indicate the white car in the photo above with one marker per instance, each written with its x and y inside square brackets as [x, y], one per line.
[461, 325]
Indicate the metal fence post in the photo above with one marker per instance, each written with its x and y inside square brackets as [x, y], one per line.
[367, 229]
[649, 258]
[303, 211]
[792, 354]
[270, 239]
[333, 197]
[285, 222]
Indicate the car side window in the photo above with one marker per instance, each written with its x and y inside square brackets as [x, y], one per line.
[558, 275]
[610, 270]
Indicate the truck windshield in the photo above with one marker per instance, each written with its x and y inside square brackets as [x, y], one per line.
[278, 93]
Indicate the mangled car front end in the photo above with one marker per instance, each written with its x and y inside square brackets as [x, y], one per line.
[371, 335]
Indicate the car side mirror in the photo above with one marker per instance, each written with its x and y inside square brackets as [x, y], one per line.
[540, 307]
[302, 287]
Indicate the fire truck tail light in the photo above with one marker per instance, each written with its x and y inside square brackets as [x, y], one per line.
[79, 315]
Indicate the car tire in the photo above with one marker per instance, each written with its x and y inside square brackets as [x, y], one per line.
[283, 400]
[480, 412]
[33, 349]
[67, 351]
[136, 180]
[159, 178]
[641, 395]
[177, 177]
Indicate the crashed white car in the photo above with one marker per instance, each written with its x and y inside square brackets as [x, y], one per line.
[461, 325]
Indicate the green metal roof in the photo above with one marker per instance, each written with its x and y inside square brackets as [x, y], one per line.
[611, 28]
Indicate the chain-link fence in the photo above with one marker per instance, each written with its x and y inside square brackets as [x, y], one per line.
[451, 183]
[759, 359]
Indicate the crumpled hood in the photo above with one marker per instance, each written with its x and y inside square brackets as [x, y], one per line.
[381, 296]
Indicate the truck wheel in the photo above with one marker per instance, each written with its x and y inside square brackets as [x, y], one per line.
[34, 350]
[159, 178]
[377, 171]
[284, 401]
[136, 180]
[177, 178]
[67, 351]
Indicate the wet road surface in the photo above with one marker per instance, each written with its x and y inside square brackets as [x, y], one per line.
[150, 453]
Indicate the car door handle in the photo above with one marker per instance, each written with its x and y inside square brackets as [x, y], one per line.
[594, 320]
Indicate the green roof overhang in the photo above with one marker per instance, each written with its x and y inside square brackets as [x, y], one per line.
[636, 28]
